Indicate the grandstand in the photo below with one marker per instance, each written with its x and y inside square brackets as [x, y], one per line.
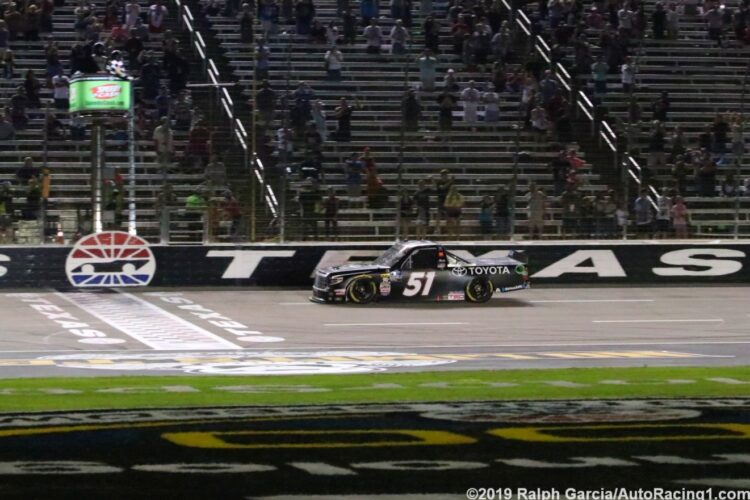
[480, 157]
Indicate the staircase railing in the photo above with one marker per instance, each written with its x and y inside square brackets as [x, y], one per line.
[252, 162]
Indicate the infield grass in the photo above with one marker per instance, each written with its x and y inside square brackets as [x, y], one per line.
[49, 394]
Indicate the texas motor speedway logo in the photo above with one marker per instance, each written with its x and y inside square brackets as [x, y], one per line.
[111, 258]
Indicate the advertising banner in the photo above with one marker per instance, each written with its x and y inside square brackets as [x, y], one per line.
[100, 93]
[117, 259]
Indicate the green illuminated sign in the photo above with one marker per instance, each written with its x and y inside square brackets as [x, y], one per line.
[99, 94]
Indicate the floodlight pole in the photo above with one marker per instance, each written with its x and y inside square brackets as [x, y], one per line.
[132, 229]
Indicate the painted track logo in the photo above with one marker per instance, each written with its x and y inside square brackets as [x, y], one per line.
[250, 362]
[111, 258]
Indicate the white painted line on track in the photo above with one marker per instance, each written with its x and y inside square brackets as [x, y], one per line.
[395, 324]
[146, 323]
[308, 303]
[586, 301]
[715, 320]
[470, 346]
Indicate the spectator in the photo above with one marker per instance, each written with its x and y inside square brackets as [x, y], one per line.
[399, 38]
[4, 38]
[628, 76]
[470, 97]
[27, 171]
[349, 27]
[599, 72]
[443, 185]
[673, 22]
[446, 104]
[6, 212]
[55, 128]
[491, 105]
[373, 180]
[707, 176]
[431, 29]
[18, 103]
[305, 12]
[77, 127]
[132, 12]
[247, 22]
[679, 175]
[720, 130]
[661, 107]
[659, 21]
[453, 204]
[427, 64]
[539, 122]
[9, 64]
[318, 32]
[421, 200]
[677, 144]
[33, 199]
[663, 214]
[263, 59]
[313, 140]
[404, 214]
[150, 77]
[368, 10]
[330, 215]
[680, 218]
[32, 86]
[559, 167]
[319, 118]
[182, 111]
[198, 144]
[548, 87]
[571, 208]
[594, 19]
[309, 200]
[333, 36]
[373, 36]
[31, 23]
[196, 202]
[730, 187]
[503, 204]
[353, 171]
[333, 63]
[714, 24]
[738, 139]
[644, 216]
[411, 111]
[311, 167]
[215, 173]
[13, 20]
[162, 103]
[537, 207]
[233, 212]
[266, 103]
[485, 216]
[656, 146]
[626, 21]
[7, 132]
[343, 115]
[164, 143]
[268, 14]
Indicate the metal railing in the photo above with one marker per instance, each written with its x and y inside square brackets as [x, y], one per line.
[213, 76]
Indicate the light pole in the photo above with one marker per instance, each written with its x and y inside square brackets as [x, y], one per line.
[283, 140]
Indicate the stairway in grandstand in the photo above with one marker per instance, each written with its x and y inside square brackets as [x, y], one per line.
[479, 161]
[69, 161]
[702, 80]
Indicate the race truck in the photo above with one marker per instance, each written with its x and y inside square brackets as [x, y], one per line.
[421, 270]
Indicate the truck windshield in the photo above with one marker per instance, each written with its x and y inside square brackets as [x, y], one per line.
[391, 256]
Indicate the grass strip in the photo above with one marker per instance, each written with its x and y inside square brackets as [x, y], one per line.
[50, 394]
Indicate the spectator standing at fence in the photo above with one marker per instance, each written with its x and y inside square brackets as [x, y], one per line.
[536, 206]
[61, 91]
[373, 37]
[453, 205]
[309, 201]
[707, 175]
[330, 215]
[656, 141]
[491, 102]
[372, 179]
[644, 214]
[442, 186]
[503, 204]
[663, 214]
[570, 201]
[411, 111]
[164, 143]
[353, 175]
[32, 86]
[319, 118]
[399, 38]
[486, 207]
[679, 175]
[427, 64]
[405, 206]
[680, 218]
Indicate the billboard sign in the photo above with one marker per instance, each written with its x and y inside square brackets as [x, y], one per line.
[99, 93]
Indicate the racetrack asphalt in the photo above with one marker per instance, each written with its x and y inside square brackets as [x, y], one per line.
[51, 333]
